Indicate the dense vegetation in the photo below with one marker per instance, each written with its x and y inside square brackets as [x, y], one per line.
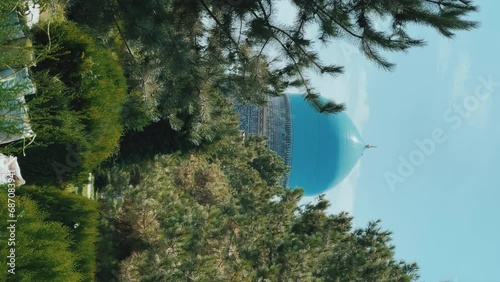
[140, 93]
[79, 214]
[77, 113]
[220, 216]
[48, 246]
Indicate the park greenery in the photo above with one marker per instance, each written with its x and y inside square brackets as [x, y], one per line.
[141, 93]
[48, 246]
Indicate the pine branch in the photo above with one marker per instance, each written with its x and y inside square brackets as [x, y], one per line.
[221, 26]
[122, 37]
[331, 18]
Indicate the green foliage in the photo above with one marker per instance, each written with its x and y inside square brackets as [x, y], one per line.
[243, 50]
[42, 249]
[77, 110]
[70, 209]
[269, 165]
[16, 53]
[204, 181]
[134, 117]
[79, 11]
[211, 119]
[99, 86]
[220, 215]
[184, 60]
[16, 49]
[8, 27]
[59, 130]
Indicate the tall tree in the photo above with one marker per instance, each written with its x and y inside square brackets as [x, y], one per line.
[261, 54]
[179, 55]
[216, 216]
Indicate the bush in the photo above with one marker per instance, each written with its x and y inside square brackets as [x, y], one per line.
[77, 213]
[77, 110]
[42, 250]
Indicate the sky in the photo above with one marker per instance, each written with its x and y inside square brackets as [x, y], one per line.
[433, 180]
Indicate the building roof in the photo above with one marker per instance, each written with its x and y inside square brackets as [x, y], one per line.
[15, 82]
[326, 147]
[12, 27]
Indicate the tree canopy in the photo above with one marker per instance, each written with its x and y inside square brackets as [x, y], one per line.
[178, 54]
[175, 44]
[218, 216]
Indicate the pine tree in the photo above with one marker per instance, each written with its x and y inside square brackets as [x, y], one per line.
[179, 55]
[215, 216]
[242, 36]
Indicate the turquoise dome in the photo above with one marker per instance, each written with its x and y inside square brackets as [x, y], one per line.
[325, 147]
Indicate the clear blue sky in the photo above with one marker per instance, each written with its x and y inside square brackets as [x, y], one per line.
[446, 213]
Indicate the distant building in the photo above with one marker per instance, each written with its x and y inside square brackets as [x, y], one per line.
[15, 82]
[321, 149]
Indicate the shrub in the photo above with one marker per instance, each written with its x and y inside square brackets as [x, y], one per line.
[42, 250]
[77, 110]
[79, 214]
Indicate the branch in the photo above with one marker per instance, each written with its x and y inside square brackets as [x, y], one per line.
[302, 78]
[335, 21]
[121, 35]
[298, 45]
[211, 14]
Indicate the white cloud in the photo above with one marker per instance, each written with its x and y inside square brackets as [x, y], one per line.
[460, 75]
[443, 55]
[343, 196]
[462, 92]
[481, 117]
[360, 111]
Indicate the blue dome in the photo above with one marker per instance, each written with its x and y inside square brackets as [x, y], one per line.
[325, 147]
